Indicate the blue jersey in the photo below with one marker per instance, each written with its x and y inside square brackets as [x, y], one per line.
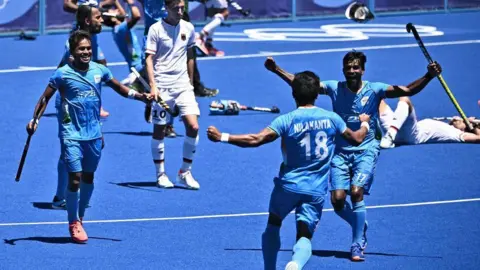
[350, 105]
[308, 143]
[154, 11]
[79, 113]
[128, 44]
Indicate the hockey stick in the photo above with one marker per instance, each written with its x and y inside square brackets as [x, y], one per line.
[274, 109]
[411, 29]
[159, 100]
[234, 4]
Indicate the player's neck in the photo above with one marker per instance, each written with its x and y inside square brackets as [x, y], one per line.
[82, 67]
[306, 106]
[355, 86]
[171, 22]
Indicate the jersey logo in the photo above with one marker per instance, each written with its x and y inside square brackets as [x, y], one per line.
[184, 37]
[364, 101]
[97, 78]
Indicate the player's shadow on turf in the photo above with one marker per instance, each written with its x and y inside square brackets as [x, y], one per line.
[339, 254]
[145, 186]
[49, 115]
[53, 240]
[44, 206]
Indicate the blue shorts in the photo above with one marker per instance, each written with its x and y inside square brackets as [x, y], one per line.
[308, 208]
[353, 169]
[81, 156]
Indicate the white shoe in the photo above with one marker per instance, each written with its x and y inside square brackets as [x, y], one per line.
[292, 266]
[387, 141]
[164, 182]
[186, 180]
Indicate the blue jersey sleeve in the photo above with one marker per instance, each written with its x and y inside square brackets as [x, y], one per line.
[330, 87]
[380, 88]
[280, 125]
[338, 123]
[106, 73]
[55, 80]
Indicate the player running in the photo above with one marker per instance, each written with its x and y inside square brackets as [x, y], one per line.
[308, 142]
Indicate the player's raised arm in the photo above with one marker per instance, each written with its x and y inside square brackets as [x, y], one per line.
[267, 135]
[357, 137]
[132, 21]
[70, 6]
[394, 91]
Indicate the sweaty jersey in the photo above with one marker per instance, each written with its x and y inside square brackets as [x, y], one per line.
[350, 105]
[169, 45]
[128, 44]
[79, 112]
[308, 143]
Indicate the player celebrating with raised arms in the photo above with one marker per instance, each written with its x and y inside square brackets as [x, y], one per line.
[79, 84]
[353, 166]
[169, 66]
[308, 142]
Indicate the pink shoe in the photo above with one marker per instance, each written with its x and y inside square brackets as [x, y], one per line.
[77, 232]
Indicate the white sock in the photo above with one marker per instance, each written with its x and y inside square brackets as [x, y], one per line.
[158, 155]
[189, 149]
[214, 23]
[400, 115]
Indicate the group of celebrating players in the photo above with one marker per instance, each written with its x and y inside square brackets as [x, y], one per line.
[322, 150]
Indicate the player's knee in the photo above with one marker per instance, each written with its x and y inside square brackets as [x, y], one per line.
[356, 194]
[158, 132]
[274, 220]
[337, 199]
[87, 178]
[74, 181]
[192, 128]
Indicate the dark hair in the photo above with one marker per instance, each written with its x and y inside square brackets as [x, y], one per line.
[305, 87]
[169, 3]
[77, 36]
[83, 12]
[350, 56]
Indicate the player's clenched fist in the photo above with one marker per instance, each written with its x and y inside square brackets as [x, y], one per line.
[434, 69]
[364, 117]
[32, 127]
[213, 134]
[270, 64]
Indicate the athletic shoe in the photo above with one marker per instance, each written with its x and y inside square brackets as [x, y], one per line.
[356, 253]
[59, 203]
[163, 181]
[186, 180]
[387, 141]
[170, 132]
[77, 232]
[206, 92]
[292, 266]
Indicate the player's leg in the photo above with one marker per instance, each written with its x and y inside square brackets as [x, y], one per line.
[62, 182]
[308, 215]
[159, 119]
[73, 154]
[281, 204]
[218, 17]
[92, 152]
[363, 170]
[189, 112]
[403, 110]
[339, 184]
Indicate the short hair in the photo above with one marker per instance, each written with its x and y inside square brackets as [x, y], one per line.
[305, 87]
[83, 12]
[169, 3]
[76, 37]
[350, 56]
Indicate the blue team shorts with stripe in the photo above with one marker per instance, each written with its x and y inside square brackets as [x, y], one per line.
[353, 168]
[81, 156]
[308, 208]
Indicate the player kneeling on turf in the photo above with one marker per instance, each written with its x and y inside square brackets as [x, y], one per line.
[308, 142]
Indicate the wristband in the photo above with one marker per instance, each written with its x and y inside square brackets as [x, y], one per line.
[132, 93]
[34, 120]
[224, 137]
[366, 125]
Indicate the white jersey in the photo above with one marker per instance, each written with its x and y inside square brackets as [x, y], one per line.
[420, 132]
[169, 44]
[216, 4]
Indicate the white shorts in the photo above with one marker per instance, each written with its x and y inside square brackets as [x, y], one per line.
[407, 133]
[216, 4]
[183, 99]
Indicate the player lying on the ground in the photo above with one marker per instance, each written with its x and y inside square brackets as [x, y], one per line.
[217, 10]
[79, 84]
[308, 142]
[402, 127]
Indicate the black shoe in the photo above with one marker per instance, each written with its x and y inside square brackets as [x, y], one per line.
[170, 132]
[206, 92]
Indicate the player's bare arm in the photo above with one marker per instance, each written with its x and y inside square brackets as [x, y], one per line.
[151, 78]
[286, 76]
[357, 137]
[40, 108]
[191, 63]
[127, 92]
[70, 6]
[395, 91]
[245, 140]
[135, 14]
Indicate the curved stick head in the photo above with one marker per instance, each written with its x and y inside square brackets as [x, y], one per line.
[410, 27]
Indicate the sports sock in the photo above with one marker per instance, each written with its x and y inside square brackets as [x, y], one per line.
[86, 191]
[360, 212]
[302, 251]
[189, 149]
[346, 213]
[72, 205]
[214, 23]
[158, 155]
[270, 246]
[62, 179]
[400, 115]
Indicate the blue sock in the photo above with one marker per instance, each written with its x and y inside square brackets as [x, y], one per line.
[270, 246]
[360, 212]
[72, 205]
[302, 251]
[347, 214]
[62, 183]
[86, 191]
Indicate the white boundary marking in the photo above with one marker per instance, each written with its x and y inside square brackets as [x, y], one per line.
[261, 54]
[231, 215]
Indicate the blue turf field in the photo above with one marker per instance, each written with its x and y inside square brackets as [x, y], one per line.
[424, 203]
